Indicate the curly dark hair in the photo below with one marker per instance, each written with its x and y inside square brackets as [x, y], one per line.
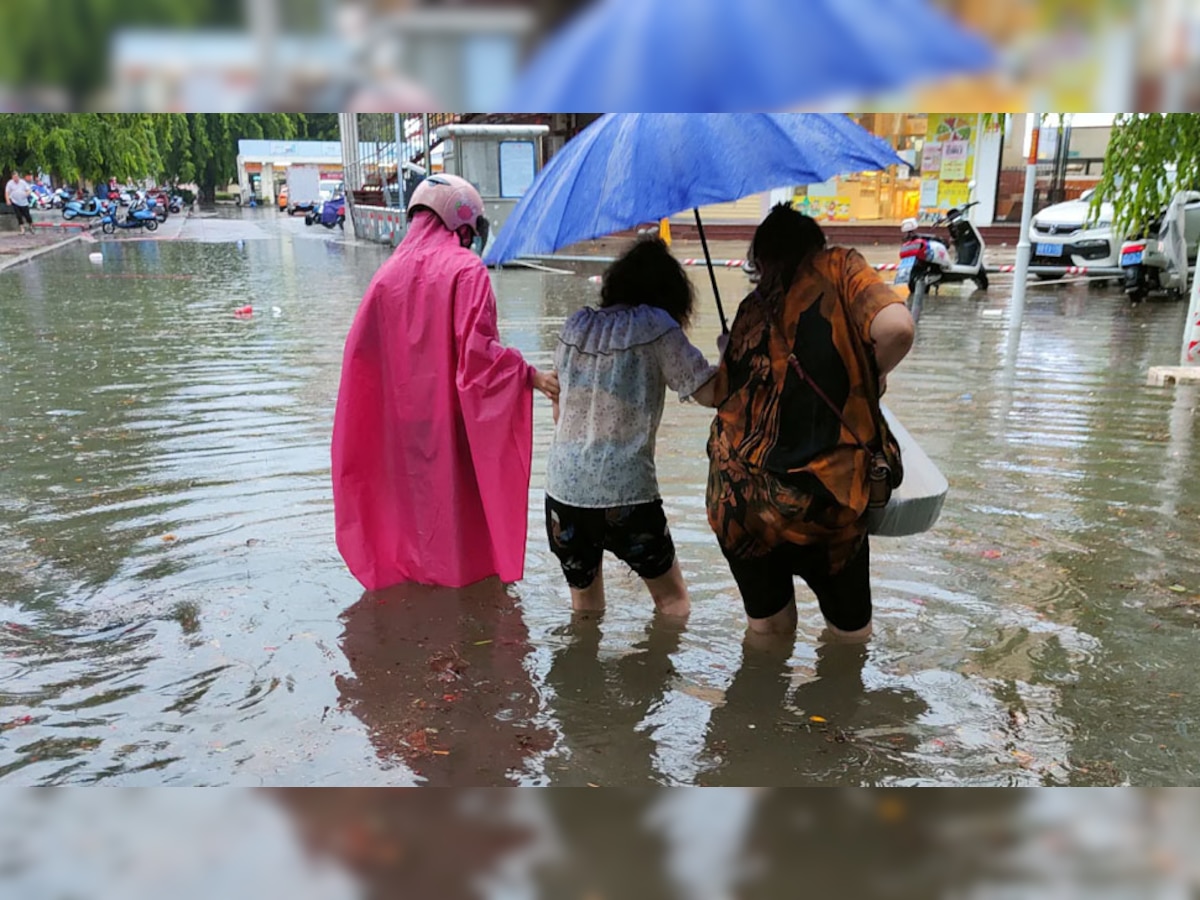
[782, 243]
[648, 274]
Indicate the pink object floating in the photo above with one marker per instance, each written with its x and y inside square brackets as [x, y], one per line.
[244, 312]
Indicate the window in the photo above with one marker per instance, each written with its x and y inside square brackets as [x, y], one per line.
[516, 167]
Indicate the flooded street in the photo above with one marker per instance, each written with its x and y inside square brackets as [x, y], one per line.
[173, 609]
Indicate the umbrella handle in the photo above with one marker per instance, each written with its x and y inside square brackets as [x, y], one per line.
[711, 274]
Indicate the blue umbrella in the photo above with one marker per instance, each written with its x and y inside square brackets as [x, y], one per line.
[628, 168]
[737, 55]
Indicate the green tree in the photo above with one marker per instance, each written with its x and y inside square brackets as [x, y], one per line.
[1150, 156]
[213, 141]
[66, 42]
[318, 126]
[76, 147]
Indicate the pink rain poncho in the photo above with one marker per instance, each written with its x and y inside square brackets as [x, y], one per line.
[433, 434]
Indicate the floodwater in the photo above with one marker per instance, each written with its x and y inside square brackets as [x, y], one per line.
[173, 609]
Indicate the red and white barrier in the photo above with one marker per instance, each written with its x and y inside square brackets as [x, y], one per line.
[1107, 271]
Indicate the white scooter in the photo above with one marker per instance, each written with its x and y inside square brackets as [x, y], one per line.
[925, 258]
[1161, 261]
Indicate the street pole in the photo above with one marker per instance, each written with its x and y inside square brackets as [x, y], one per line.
[426, 139]
[1024, 248]
[400, 145]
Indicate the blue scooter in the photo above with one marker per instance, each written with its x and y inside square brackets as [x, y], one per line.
[87, 209]
[138, 216]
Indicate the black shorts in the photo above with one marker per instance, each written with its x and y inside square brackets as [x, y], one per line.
[23, 214]
[636, 535]
[767, 587]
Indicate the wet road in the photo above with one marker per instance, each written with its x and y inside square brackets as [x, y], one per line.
[173, 609]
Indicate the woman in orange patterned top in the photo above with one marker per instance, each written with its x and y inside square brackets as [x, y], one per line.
[788, 480]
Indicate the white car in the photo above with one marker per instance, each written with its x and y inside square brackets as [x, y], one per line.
[1060, 238]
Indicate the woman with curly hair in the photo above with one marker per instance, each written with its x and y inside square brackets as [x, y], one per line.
[615, 363]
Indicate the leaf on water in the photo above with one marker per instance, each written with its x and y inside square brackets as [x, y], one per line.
[992, 554]
[482, 643]
[816, 718]
[440, 752]
[1177, 588]
[1023, 758]
[167, 538]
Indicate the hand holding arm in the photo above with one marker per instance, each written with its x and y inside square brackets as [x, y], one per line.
[547, 383]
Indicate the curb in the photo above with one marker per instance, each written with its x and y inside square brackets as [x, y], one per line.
[40, 251]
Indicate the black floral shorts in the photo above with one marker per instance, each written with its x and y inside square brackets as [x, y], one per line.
[636, 535]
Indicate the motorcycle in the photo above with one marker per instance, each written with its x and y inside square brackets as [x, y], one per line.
[925, 260]
[176, 203]
[90, 208]
[1161, 260]
[332, 214]
[159, 203]
[139, 215]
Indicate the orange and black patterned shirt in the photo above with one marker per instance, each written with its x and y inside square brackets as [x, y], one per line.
[783, 467]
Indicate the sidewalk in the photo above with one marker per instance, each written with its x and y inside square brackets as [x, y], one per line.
[16, 248]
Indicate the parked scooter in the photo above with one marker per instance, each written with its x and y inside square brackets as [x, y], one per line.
[1161, 261]
[139, 215]
[176, 204]
[332, 214]
[90, 208]
[926, 260]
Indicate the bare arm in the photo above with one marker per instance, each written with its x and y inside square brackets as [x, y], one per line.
[892, 333]
[706, 394]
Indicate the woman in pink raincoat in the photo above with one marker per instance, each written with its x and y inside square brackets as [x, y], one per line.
[433, 434]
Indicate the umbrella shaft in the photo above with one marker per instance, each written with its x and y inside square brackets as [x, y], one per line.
[711, 274]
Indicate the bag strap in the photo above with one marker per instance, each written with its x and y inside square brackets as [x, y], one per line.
[872, 394]
[806, 378]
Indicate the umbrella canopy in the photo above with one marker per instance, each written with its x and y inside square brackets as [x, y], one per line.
[736, 55]
[628, 168]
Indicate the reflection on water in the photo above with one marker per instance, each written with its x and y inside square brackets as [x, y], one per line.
[690, 844]
[173, 609]
[816, 724]
[440, 681]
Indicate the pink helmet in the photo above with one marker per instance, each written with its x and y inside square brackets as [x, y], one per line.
[452, 199]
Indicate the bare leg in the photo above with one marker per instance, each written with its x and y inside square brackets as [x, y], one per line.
[670, 593]
[834, 635]
[783, 622]
[591, 598]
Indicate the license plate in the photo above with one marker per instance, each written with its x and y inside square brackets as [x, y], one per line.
[902, 273]
[1131, 259]
[1049, 250]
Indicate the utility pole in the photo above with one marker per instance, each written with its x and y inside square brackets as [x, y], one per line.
[263, 16]
[1024, 248]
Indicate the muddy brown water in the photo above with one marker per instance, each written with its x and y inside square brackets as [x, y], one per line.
[173, 610]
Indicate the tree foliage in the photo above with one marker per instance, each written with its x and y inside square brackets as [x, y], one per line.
[170, 147]
[66, 42]
[1150, 156]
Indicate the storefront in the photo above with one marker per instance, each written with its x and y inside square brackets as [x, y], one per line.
[944, 153]
[262, 165]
